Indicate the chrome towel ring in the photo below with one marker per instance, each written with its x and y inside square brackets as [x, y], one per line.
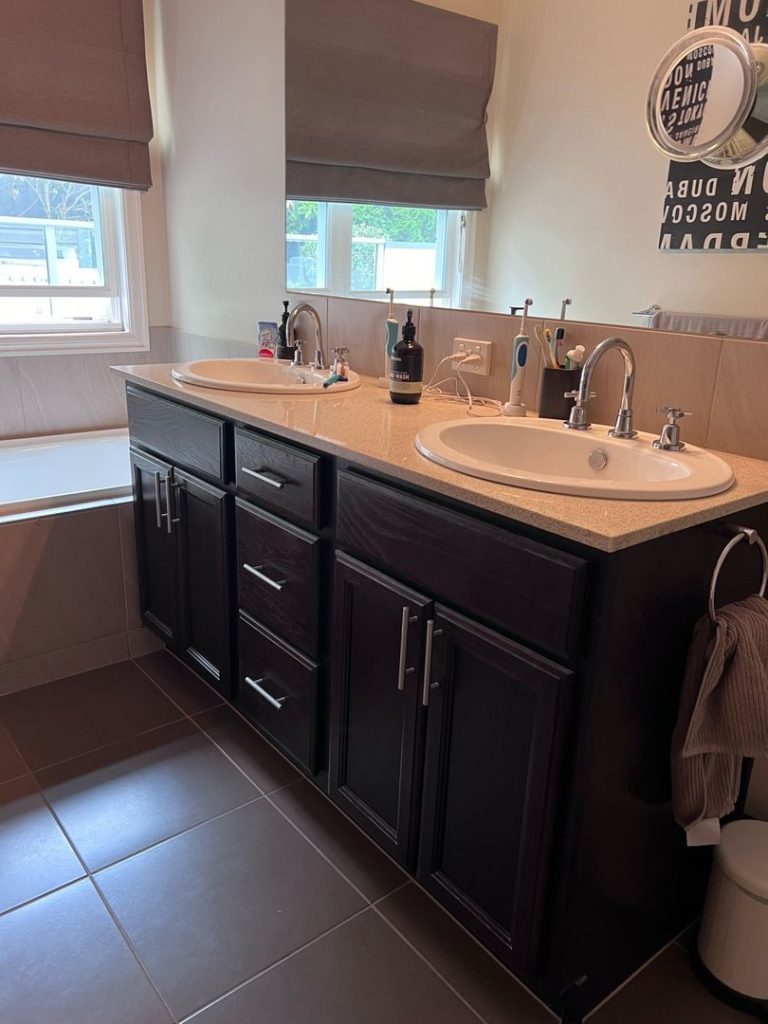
[752, 537]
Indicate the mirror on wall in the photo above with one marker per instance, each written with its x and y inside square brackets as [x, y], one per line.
[579, 203]
[708, 100]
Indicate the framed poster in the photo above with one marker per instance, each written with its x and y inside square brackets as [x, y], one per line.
[707, 209]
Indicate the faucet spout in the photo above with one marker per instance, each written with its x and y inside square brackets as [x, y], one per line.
[579, 419]
[311, 312]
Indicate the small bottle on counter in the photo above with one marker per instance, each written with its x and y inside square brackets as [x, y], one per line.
[406, 367]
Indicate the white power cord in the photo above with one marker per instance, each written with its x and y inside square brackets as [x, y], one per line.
[433, 388]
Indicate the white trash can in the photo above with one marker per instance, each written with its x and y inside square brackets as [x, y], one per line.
[733, 938]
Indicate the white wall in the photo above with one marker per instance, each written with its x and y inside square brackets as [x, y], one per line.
[577, 188]
[221, 113]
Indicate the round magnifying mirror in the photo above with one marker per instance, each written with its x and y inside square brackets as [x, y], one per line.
[709, 100]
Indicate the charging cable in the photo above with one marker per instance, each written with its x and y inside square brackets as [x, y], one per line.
[434, 387]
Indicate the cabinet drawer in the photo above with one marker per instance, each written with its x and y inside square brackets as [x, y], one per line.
[182, 435]
[526, 588]
[281, 478]
[278, 576]
[277, 689]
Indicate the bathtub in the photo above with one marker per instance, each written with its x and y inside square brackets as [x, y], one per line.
[45, 473]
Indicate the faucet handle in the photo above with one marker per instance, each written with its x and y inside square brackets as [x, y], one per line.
[672, 413]
[575, 394]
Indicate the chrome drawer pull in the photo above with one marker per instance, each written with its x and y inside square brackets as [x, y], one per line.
[255, 684]
[427, 685]
[255, 570]
[402, 672]
[158, 508]
[273, 480]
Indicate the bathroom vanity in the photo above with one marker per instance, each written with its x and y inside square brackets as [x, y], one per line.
[484, 679]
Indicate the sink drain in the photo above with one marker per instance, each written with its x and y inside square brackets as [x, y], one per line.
[598, 459]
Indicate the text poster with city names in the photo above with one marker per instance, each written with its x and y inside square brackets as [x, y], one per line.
[707, 209]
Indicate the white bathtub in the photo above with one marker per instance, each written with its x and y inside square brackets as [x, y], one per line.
[41, 473]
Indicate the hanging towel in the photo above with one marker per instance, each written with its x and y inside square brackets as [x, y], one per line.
[723, 716]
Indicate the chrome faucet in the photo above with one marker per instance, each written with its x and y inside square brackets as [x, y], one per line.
[304, 307]
[579, 419]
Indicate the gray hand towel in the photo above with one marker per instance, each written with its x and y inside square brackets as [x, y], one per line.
[723, 716]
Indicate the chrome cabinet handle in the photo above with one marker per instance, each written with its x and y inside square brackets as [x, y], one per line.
[402, 671]
[158, 507]
[273, 480]
[275, 702]
[168, 515]
[427, 684]
[255, 570]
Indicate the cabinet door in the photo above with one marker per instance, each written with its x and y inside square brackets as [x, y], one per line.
[375, 750]
[155, 545]
[203, 522]
[491, 767]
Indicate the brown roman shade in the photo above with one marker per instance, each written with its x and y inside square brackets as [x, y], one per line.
[386, 102]
[74, 98]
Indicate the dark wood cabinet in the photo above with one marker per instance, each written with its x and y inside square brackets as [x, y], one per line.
[155, 546]
[490, 780]
[202, 519]
[378, 653]
[183, 539]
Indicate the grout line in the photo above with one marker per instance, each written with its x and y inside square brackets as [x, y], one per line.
[16, 778]
[123, 580]
[105, 746]
[710, 414]
[44, 895]
[632, 977]
[99, 893]
[175, 835]
[277, 963]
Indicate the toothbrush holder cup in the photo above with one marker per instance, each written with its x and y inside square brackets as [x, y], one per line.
[553, 405]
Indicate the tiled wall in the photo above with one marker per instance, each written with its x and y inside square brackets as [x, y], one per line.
[67, 393]
[68, 595]
[722, 381]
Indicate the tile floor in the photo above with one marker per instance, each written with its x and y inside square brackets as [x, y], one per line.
[160, 862]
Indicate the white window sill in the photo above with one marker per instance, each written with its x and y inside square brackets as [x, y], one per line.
[86, 343]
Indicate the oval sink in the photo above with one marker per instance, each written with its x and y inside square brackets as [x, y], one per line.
[263, 376]
[543, 456]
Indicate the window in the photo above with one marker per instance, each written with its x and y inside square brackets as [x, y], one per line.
[359, 250]
[71, 269]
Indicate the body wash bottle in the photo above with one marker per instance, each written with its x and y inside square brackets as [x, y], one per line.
[406, 374]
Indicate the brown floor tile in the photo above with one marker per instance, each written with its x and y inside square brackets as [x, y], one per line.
[483, 982]
[362, 972]
[667, 992]
[260, 762]
[211, 908]
[178, 682]
[35, 857]
[125, 797]
[70, 965]
[352, 852]
[72, 716]
[11, 765]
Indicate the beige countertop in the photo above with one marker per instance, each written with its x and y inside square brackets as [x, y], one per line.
[365, 428]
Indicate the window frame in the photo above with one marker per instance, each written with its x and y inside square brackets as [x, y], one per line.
[336, 259]
[124, 284]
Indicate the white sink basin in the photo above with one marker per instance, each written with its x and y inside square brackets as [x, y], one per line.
[543, 456]
[264, 376]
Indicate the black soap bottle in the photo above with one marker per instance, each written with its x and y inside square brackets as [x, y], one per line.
[285, 349]
[406, 367]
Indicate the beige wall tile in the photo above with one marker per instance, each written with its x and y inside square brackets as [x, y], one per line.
[130, 572]
[360, 326]
[740, 411]
[61, 583]
[44, 668]
[671, 370]
[11, 408]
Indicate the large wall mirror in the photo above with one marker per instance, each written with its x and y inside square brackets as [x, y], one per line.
[580, 204]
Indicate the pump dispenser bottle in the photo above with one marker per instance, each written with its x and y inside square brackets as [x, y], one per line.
[406, 374]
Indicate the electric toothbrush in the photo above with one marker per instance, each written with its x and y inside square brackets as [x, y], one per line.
[514, 406]
[392, 337]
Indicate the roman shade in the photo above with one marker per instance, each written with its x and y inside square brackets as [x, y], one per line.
[386, 102]
[74, 98]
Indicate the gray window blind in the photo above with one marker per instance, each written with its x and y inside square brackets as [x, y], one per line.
[74, 98]
[386, 102]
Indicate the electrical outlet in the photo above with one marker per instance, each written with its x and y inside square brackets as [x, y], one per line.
[474, 348]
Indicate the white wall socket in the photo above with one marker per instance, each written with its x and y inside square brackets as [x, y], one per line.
[474, 348]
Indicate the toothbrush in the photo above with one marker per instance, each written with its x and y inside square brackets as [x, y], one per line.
[514, 406]
[392, 332]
